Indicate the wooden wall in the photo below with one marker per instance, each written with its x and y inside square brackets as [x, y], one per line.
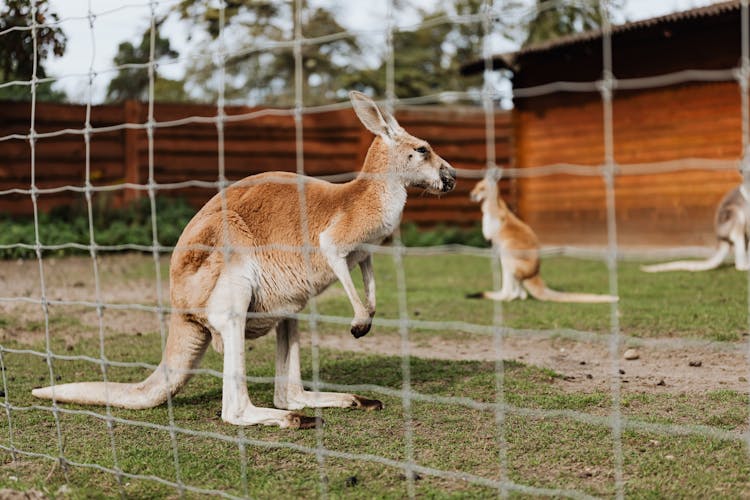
[334, 143]
[700, 121]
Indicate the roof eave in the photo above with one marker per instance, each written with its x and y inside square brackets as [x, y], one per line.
[498, 62]
[508, 60]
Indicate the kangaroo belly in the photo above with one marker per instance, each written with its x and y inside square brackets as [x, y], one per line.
[285, 287]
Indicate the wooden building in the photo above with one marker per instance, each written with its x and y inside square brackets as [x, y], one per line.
[676, 106]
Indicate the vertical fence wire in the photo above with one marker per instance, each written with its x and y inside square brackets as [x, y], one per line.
[93, 251]
[37, 240]
[398, 262]
[155, 252]
[308, 244]
[607, 87]
[744, 87]
[223, 183]
[494, 174]
[6, 402]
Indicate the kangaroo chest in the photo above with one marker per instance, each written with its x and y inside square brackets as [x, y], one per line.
[393, 201]
[490, 225]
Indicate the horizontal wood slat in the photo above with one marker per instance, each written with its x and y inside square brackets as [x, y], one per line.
[662, 124]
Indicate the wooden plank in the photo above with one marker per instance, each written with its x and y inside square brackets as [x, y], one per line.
[259, 133]
[131, 145]
[21, 170]
[73, 114]
[188, 146]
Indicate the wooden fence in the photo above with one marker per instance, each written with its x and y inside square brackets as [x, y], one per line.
[334, 143]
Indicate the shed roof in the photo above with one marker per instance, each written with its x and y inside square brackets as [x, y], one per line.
[508, 60]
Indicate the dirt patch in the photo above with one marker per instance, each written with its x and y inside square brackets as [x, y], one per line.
[662, 366]
[123, 279]
[7, 494]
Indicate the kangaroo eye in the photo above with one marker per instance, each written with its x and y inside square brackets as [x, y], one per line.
[421, 150]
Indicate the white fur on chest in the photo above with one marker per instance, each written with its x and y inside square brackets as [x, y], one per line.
[393, 201]
[490, 225]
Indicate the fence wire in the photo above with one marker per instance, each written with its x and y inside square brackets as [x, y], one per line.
[498, 331]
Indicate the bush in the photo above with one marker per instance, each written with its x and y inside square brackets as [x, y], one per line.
[132, 225]
[413, 236]
[70, 224]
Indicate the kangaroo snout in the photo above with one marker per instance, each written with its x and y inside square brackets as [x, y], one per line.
[448, 178]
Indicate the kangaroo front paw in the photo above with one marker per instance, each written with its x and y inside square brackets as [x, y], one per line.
[360, 328]
[367, 404]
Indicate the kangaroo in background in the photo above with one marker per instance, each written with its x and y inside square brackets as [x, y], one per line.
[518, 247]
[731, 225]
[239, 270]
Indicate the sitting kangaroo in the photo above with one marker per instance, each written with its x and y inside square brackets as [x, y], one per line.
[239, 270]
[731, 224]
[519, 252]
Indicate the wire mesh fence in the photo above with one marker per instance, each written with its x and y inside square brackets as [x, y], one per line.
[499, 409]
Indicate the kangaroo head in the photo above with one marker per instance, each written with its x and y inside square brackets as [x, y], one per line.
[487, 190]
[482, 191]
[409, 159]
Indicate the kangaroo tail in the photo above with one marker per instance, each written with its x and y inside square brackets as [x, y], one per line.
[186, 344]
[692, 265]
[538, 289]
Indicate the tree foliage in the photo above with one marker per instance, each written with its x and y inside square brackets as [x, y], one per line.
[17, 61]
[251, 41]
[421, 64]
[554, 19]
[258, 68]
[133, 82]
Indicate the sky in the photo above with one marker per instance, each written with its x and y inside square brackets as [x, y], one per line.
[116, 21]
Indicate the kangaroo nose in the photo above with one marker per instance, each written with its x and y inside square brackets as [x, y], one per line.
[448, 176]
[451, 171]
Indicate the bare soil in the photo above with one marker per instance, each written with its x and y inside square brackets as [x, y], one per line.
[587, 366]
[662, 366]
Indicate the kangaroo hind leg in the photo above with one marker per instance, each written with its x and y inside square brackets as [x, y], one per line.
[289, 392]
[739, 242]
[226, 311]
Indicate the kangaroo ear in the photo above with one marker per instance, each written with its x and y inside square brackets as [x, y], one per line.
[371, 117]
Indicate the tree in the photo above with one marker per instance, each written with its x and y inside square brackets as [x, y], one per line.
[258, 73]
[17, 61]
[427, 59]
[554, 19]
[133, 82]
[420, 65]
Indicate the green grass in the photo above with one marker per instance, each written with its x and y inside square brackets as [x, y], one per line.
[547, 452]
[541, 451]
[711, 305]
